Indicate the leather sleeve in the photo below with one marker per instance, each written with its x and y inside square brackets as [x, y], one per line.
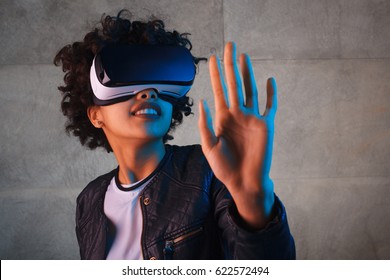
[273, 242]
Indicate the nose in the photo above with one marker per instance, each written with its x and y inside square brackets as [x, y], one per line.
[147, 94]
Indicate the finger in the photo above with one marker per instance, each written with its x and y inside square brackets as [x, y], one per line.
[251, 94]
[233, 80]
[272, 100]
[205, 123]
[218, 84]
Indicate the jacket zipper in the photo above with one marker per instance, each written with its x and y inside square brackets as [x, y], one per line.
[143, 224]
[170, 244]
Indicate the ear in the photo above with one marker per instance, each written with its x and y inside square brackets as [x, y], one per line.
[95, 116]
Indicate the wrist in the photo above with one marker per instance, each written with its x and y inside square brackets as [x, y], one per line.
[255, 208]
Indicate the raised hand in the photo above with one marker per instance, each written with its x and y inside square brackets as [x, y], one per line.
[239, 146]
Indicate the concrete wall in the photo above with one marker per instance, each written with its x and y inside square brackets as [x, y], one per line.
[331, 167]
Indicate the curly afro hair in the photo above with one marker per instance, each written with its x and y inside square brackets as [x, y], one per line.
[76, 60]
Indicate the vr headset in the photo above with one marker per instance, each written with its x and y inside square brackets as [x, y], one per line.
[119, 72]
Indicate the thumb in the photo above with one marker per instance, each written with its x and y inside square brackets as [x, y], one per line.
[205, 124]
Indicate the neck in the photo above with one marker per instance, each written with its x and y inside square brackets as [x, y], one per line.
[137, 161]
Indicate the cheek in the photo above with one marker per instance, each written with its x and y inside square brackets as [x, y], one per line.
[169, 111]
[168, 114]
[167, 117]
[116, 114]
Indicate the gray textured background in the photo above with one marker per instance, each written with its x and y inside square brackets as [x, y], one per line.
[331, 59]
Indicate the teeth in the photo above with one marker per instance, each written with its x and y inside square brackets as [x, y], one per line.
[148, 111]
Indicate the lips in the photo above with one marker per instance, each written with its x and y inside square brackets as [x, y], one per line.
[146, 109]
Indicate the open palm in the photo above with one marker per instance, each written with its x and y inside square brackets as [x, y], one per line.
[239, 145]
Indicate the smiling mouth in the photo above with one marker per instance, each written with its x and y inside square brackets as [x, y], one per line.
[147, 110]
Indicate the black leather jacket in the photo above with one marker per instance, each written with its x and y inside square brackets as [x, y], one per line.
[187, 214]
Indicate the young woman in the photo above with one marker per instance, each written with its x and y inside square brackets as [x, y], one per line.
[125, 89]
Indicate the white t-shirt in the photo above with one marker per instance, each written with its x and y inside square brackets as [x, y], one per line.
[122, 207]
